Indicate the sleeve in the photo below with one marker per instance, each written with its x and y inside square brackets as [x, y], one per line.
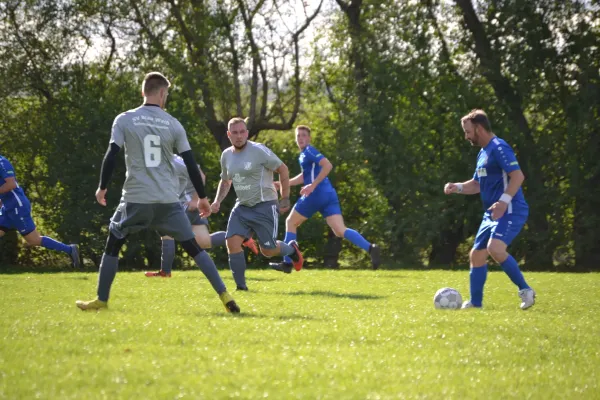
[117, 134]
[313, 154]
[181, 141]
[224, 173]
[505, 156]
[270, 160]
[6, 169]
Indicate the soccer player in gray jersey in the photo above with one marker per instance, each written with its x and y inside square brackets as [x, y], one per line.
[250, 167]
[150, 197]
[189, 200]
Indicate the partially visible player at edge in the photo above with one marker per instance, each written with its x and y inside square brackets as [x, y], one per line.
[15, 213]
[189, 200]
[250, 167]
[498, 178]
[150, 196]
[318, 194]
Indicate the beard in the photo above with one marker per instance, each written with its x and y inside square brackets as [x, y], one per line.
[242, 146]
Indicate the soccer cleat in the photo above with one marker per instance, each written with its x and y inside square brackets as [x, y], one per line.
[468, 304]
[91, 305]
[229, 303]
[375, 252]
[243, 288]
[528, 298]
[297, 259]
[251, 244]
[282, 267]
[161, 274]
[75, 255]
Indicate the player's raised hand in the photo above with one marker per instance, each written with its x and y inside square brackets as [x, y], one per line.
[100, 196]
[498, 209]
[307, 190]
[204, 207]
[214, 207]
[450, 188]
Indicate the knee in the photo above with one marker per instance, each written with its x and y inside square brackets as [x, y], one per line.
[339, 232]
[477, 257]
[233, 246]
[204, 241]
[113, 245]
[269, 252]
[33, 240]
[498, 253]
[290, 222]
[191, 247]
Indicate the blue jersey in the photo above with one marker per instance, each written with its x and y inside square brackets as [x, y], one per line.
[16, 197]
[494, 162]
[309, 162]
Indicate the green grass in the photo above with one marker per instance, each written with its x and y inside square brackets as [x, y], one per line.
[313, 334]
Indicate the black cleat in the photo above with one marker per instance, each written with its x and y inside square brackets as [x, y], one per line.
[233, 307]
[375, 253]
[282, 267]
[242, 288]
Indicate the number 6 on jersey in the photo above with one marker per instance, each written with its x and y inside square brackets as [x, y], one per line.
[152, 151]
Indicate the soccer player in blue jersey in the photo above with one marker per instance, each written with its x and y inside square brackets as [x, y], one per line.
[498, 178]
[318, 194]
[15, 213]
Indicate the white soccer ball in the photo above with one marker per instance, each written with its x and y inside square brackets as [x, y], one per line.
[447, 298]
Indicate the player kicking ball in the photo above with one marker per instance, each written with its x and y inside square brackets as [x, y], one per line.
[498, 178]
[319, 195]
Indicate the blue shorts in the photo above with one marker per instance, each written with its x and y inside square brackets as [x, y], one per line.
[506, 229]
[18, 218]
[327, 203]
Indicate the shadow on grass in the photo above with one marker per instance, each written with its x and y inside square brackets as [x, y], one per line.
[251, 315]
[352, 296]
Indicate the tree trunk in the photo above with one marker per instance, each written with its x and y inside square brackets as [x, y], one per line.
[331, 253]
[445, 247]
[9, 249]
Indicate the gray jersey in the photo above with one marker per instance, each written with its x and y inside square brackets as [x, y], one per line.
[251, 171]
[186, 187]
[150, 136]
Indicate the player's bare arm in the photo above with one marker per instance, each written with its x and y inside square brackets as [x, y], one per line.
[295, 181]
[326, 168]
[222, 191]
[9, 184]
[514, 184]
[108, 166]
[284, 179]
[468, 187]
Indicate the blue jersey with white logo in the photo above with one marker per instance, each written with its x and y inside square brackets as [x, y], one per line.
[494, 162]
[309, 162]
[16, 197]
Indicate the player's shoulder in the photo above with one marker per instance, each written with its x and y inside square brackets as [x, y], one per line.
[310, 149]
[499, 143]
[228, 151]
[259, 147]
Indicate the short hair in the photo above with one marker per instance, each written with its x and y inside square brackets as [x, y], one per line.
[153, 82]
[478, 117]
[303, 127]
[234, 121]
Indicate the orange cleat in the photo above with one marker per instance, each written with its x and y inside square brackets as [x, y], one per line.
[160, 274]
[251, 244]
[297, 258]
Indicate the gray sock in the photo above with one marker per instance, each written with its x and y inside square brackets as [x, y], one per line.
[209, 269]
[285, 249]
[108, 269]
[237, 263]
[168, 255]
[217, 239]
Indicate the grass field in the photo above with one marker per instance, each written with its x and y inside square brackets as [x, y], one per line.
[313, 334]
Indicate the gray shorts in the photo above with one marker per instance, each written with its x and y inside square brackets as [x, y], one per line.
[168, 219]
[195, 218]
[262, 218]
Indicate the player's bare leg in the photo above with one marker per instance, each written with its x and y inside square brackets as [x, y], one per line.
[35, 239]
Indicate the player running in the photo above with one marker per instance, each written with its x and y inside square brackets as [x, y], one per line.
[498, 178]
[150, 193]
[250, 167]
[15, 214]
[318, 194]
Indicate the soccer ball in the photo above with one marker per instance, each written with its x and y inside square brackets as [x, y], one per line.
[447, 298]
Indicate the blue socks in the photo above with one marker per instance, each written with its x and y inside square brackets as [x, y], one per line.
[511, 268]
[52, 244]
[168, 255]
[289, 236]
[357, 239]
[478, 277]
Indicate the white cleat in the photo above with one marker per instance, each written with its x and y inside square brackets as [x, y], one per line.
[527, 297]
[468, 304]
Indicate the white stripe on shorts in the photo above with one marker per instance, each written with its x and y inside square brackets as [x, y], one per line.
[275, 222]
